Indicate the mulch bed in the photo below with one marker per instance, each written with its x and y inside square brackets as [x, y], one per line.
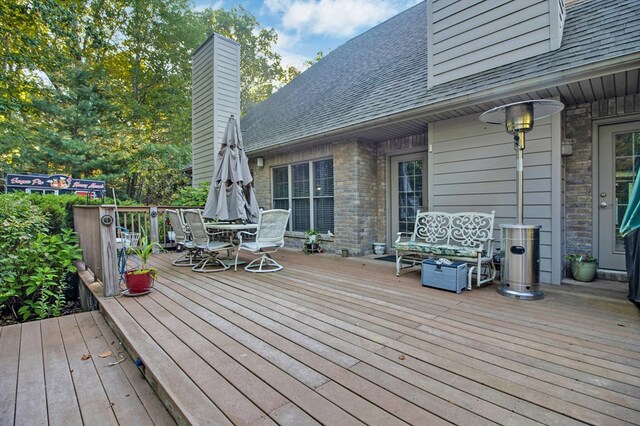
[70, 308]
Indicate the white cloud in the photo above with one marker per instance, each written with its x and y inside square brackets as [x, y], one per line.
[286, 45]
[341, 18]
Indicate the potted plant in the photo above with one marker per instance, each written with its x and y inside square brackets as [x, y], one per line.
[140, 280]
[311, 245]
[583, 266]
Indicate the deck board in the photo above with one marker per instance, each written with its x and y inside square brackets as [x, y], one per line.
[44, 380]
[332, 340]
[349, 336]
[31, 382]
[62, 402]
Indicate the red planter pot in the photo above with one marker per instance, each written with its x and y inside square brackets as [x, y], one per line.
[138, 283]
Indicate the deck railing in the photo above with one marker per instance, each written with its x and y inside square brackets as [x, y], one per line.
[98, 227]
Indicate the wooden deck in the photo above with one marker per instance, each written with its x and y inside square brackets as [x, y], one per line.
[332, 340]
[52, 372]
[337, 340]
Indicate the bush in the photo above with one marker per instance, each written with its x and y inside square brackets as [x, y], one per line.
[57, 208]
[35, 264]
[190, 196]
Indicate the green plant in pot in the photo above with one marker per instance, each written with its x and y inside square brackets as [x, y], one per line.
[311, 245]
[140, 280]
[583, 266]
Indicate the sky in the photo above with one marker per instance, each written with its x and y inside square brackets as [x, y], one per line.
[306, 27]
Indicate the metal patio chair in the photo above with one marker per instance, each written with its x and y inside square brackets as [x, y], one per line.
[203, 241]
[269, 237]
[183, 238]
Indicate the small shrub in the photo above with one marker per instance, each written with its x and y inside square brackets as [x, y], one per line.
[190, 196]
[35, 264]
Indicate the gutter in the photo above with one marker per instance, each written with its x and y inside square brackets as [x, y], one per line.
[583, 72]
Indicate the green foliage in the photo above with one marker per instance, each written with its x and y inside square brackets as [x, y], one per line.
[260, 66]
[144, 251]
[103, 89]
[190, 196]
[35, 265]
[311, 235]
[583, 258]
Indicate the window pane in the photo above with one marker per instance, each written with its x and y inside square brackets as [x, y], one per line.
[323, 178]
[301, 216]
[281, 182]
[323, 210]
[300, 174]
[281, 204]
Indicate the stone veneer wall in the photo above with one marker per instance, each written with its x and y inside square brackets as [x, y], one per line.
[578, 180]
[360, 185]
[356, 196]
[579, 166]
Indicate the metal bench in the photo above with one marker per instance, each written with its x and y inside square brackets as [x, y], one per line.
[466, 237]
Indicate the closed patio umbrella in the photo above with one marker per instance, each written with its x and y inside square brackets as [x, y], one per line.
[231, 196]
[630, 229]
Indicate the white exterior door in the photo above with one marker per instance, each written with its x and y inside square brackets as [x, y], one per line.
[619, 159]
[408, 191]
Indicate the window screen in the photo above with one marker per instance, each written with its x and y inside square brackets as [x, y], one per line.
[306, 188]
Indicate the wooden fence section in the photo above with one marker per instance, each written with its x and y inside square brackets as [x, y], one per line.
[98, 228]
[66, 371]
[332, 340]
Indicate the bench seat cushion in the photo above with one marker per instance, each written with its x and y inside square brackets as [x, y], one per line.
[437, 249]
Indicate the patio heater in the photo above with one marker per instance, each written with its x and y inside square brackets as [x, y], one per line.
[520, 243]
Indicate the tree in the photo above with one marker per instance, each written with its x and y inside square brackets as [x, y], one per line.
[260, 65]
[102, 89]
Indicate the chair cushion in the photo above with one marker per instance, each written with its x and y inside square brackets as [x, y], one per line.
[442, 250]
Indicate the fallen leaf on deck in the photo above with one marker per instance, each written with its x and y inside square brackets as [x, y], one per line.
[85, 357]
[105, 354]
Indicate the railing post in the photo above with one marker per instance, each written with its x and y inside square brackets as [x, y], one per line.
[108, 251]
[153, 224]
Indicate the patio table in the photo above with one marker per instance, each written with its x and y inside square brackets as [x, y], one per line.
[233, 228]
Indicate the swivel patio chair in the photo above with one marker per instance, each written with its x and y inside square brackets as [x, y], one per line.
[183, 238]
[269, 237]
[203, 241]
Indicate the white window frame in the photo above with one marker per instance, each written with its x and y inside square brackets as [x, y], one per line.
[311, 196]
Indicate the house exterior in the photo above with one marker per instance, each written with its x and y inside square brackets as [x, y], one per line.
[387, 124]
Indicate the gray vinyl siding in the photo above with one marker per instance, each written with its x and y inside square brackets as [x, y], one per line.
[467, 37]
[472, 168]
[215, 96]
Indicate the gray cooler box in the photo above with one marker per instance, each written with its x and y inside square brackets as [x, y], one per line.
[439, 273]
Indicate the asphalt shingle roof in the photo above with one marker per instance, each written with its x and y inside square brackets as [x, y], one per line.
[384, 71]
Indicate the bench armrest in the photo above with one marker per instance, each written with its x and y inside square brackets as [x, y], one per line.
[406, 235]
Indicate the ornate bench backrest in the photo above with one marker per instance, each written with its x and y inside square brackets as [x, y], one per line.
[472, 229]
[432, 227]
[468, 229]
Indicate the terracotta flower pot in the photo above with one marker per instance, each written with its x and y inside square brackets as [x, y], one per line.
[138, 282]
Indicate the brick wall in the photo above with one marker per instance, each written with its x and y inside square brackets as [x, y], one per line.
[578, 180]
[579, 230]
[360, 185]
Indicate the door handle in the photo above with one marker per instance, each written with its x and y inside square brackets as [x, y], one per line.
[603, 204]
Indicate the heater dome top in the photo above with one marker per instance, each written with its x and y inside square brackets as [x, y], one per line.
[520, 116]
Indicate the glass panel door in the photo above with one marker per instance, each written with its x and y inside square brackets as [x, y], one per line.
[619, 147]
[408, 191]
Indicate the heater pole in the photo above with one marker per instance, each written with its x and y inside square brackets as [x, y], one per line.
[519, 147]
